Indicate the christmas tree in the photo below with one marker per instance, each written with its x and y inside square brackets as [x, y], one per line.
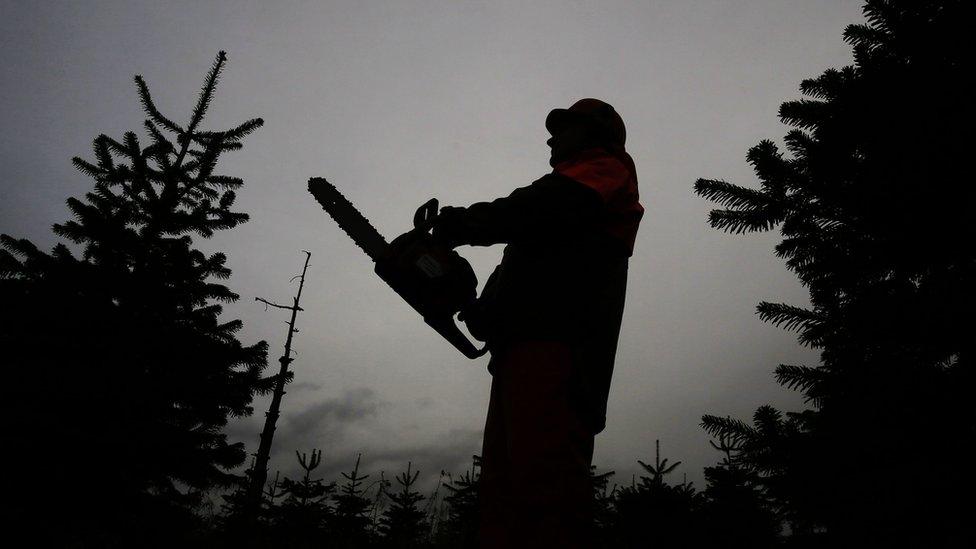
[304, 515]
[118, 352]
[351, 526]
[875, 211]
[404, 524]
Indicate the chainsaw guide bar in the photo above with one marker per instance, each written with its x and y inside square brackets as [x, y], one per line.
[350, 220]
[428, 274]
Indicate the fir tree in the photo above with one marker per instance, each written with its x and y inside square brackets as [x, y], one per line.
[874, 208]
[273, 491]
[351, 526]
[736, 512]
[404, 525]
[119, 353]
[654, 513]
[239, 525]
[436, 509]
[461, 527]
[659, 470]
[603, 505]
[305, 513]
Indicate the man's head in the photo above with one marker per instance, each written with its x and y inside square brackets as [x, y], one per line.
[588, 123]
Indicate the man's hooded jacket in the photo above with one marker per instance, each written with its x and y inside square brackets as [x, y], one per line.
[563, 274]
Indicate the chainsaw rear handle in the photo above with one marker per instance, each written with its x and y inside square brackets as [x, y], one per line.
[449, 330]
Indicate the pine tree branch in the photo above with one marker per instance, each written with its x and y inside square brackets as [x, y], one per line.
[805, 113]
[767, 420]
[729, 195]
[150, 107]
[87, 168]
[225, 182]
[735, 430]
[788, 317]
[102, 154]
[234, 134]
[801, 378]
[206, 93]
[19, 246]
[742, 221]
[774, 172]
[828, 86]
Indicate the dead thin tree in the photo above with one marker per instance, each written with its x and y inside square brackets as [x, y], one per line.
[259, 472]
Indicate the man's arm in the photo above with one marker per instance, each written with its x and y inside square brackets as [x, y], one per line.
[551, 206]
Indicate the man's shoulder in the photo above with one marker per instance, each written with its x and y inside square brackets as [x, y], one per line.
[598, 170]
[592, 164]
[556, 184]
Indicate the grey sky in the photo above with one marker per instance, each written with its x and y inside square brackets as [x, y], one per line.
[398, 102]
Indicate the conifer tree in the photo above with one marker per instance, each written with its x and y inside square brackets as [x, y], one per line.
[875, 210]
[659, 470]
[117, 350]
[736, 512]
[461, 527]
[351, 526]
[305, 513]
[239, 524]
[436, 509]
[652, 512]
[603, 505]
[404, 525]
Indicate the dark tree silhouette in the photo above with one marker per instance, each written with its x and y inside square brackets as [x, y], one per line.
[653, 513]
[305, 513]
[351, 527]
[659, 470]
[603, 505]
[404, 524]
[258, 472]
[460, 529]
[875, 210]
[736, 513]
[118, 353]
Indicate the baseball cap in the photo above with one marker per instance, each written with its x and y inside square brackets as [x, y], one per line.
[590, 111]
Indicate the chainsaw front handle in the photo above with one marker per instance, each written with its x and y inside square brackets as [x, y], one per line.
[426, 215]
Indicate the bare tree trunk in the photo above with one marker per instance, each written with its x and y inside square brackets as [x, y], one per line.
[259, 472]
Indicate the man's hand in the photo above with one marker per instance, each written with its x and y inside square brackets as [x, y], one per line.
[449, 226]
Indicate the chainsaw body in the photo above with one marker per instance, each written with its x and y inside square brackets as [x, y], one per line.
[430, 276]
[433, 278]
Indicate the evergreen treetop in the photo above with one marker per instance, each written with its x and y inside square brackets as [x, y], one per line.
[403, 523]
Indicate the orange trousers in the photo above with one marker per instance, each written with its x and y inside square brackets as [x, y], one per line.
[535, 484]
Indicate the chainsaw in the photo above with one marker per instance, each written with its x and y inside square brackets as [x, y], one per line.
[430, 276]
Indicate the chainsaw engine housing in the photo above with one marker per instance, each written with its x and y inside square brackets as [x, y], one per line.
[433, 278]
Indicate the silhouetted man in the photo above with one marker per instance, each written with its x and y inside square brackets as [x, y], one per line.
[551, 313]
